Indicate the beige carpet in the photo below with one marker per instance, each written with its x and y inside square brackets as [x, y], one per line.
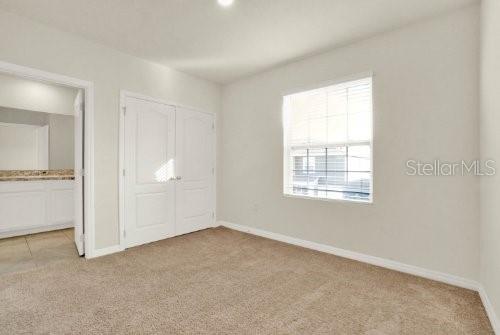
[219, 281]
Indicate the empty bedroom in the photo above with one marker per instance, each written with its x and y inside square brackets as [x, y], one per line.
[250, 167]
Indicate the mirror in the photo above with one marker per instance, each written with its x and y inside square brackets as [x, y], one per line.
[36, 125]
[35, 141]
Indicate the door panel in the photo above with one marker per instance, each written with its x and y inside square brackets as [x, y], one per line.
[152, 145]
[149, 154]
[197, 200]
[150, 209]
[78, 168]
[195, 142]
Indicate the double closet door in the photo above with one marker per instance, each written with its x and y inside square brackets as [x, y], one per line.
[169, 176]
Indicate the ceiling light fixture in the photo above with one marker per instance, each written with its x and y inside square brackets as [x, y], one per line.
[225, 3]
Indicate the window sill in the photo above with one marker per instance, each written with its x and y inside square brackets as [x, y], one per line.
[356, 201]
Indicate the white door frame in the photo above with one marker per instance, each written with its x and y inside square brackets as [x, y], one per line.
[88, 87]
[124, 94]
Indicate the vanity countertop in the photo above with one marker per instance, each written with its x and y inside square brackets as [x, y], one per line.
[28, 175]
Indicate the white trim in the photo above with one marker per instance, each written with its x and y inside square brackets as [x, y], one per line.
[88, 87]
[124, 94]
[19, 125]
[490, 311]
[48, 77]
[121, 166]
[382, 262]
[214, 224]
[35, 230]
[107, 251]
[331, 144]
[306, 197]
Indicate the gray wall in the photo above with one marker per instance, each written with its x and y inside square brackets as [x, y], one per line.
[490, 149]
[11, 115]
[61, 142]
[425, 107]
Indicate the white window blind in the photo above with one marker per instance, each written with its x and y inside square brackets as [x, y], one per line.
[327, 141]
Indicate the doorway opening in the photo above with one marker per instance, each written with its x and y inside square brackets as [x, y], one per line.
[46, 171]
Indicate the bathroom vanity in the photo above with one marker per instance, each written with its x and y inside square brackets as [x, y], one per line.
[32, 201]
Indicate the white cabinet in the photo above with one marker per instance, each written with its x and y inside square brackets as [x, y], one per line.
[34, 206]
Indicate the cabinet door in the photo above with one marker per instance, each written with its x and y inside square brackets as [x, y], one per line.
[195, 171]
[149, 186]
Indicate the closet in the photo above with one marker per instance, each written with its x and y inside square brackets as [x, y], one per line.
[168, 177]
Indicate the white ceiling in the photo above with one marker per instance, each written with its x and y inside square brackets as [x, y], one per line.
[223, 44]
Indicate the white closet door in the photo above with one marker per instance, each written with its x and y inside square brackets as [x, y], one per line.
[195, 165]
[149, 154]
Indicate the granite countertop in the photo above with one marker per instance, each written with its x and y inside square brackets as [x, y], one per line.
[28, 175]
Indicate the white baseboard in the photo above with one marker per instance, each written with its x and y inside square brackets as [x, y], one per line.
[35, 229]
[105, 251]
[495, 322]
[382, 262]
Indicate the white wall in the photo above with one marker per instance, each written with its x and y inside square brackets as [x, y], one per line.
[490, 149]
[30, 44]
[426, 107]
[20, 93]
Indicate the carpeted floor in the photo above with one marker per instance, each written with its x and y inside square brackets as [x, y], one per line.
[220, 281]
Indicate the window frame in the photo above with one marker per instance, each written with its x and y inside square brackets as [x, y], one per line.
[287, 149]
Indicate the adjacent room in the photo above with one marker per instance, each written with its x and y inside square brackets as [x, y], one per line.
[250, 167]
[38, 196]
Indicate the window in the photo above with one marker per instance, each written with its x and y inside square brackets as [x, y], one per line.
[328, 142]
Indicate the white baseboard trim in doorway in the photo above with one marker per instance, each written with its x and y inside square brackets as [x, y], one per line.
[382, 262]
[35, 230]
[106, 251]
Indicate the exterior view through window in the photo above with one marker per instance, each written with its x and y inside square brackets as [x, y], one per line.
[328, 142]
